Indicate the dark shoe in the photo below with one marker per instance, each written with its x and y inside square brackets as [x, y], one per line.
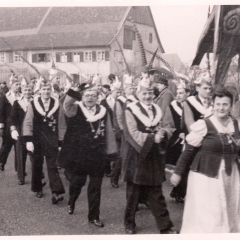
[108, 174]
[39, 194]
[1, 167]
[21, 182]
[44, 184]
[71, 209]
[56, 198]
[114, 185]
[130, 231]
[97, 223]
[169, 231]
[25, 174]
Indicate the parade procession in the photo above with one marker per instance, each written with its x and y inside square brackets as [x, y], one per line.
[102, 134]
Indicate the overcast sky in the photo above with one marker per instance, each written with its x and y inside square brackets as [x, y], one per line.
[179, 28]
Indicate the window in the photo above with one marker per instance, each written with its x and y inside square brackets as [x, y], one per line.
[16, 57]
[100, 55]
[41, 57]
[128, 38]
[2, 57]
[150, 37]
[88, 56]
[76, 57]
[63, 57]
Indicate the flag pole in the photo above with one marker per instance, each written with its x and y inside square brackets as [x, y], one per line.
[215, 45]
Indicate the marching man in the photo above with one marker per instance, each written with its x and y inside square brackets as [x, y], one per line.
[89, 137]
[145, 158]
[18, 112]
[6, 103]
[43, 129]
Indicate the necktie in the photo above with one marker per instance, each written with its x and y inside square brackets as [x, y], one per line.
[46, 106]
[150, 112]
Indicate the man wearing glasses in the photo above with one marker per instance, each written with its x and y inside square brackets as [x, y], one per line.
[88, 138]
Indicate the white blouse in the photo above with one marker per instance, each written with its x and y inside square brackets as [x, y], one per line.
[199, 130]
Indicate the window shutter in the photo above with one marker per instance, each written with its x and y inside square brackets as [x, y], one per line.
[81, 56]
[69, 56]
[128, 38]
[107, 55]
[94, 56]
[34, 58]
[57, 57]
[11, 57]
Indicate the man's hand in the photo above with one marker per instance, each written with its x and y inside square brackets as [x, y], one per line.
[30, 146]
[14, 135]
[158, 138]
[182, 136]
[175, 179]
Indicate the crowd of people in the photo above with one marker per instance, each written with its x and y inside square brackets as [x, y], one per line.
[134, 128]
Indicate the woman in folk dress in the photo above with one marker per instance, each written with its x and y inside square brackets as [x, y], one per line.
[213, 195]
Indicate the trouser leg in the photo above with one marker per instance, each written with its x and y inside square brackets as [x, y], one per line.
[94, 197]
[108, 164]
[6, 147]
[56, 185]
[132, 203]
[37, 166]
[158, 207]
[76, 184]
[21, 153]
[116, 171]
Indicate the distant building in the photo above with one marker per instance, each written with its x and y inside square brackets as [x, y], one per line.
[78, 39]
[174, 61]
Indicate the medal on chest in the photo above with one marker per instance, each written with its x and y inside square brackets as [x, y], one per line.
[99, 131]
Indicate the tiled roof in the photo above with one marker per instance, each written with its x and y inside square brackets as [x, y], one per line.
[90, 37]
[80, 15]
[20, 18]
[64, 26]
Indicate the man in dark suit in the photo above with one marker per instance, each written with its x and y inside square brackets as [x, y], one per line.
[43, 129]
[172, 118]
[165, 96]
[6, 103]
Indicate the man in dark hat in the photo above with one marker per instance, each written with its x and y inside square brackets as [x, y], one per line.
[6, 103]
[165, 96]
[43, 129]
[89, 137]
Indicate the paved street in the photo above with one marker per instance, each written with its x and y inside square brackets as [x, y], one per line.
[24, 214]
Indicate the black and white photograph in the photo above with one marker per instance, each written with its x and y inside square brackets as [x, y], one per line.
[120, 119]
